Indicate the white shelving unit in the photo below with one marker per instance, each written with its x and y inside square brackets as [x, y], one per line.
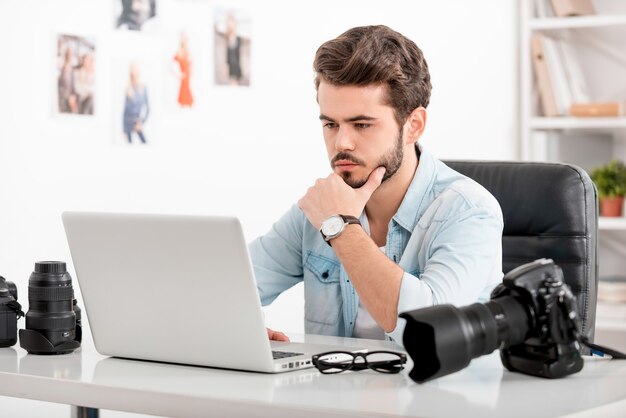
[543, 138]
[576, 22]
[531, 120]
[612, 224]
[543, 123]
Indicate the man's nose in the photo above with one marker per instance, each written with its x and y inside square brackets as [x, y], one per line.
[344, 140]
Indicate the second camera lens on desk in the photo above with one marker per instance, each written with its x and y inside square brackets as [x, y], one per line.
[50, 320]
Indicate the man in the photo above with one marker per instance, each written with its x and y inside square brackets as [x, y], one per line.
[391, 229]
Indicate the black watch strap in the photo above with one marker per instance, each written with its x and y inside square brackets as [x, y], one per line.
[349, 219]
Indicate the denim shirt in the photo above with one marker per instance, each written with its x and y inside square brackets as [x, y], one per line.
[446, 236]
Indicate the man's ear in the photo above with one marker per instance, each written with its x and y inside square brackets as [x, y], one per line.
[415, 125]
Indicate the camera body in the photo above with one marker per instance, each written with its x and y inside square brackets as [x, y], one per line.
[10, 312]
[551, 348]
[531, 318]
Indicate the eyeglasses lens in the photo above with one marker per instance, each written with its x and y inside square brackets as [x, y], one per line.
[385, 362]
[335, 362]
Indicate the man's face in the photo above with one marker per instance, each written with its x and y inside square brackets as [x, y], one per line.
[360, 131]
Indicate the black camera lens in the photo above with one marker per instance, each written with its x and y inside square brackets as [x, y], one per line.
[445, 338]
[50, 320]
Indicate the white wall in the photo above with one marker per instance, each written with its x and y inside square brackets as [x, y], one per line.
[249, 152]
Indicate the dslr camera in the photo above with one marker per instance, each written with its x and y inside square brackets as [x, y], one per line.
[531, 318]
[10, 312]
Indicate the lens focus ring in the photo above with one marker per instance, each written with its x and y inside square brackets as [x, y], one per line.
[50, 323]
[50, 293]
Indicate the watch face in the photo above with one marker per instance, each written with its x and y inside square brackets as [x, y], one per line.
[332, 226]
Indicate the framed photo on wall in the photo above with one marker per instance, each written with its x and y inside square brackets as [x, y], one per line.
[186, 49]
[134, 83]
[136, 15]
[232, 47]
[75, 75]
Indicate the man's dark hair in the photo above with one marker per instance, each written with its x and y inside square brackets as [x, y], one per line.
[369, 55]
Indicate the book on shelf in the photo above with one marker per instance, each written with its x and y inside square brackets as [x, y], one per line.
[597, 109]
[565, 8]
[542, 74]
[576, 83]
[543, 9]
[558, 76]
[560, 80]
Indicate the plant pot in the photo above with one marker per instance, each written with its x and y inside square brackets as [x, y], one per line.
[611, 206]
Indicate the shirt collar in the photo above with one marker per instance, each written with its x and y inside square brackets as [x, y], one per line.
[412, 204]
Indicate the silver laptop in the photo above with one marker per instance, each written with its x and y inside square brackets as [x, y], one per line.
[177, 289]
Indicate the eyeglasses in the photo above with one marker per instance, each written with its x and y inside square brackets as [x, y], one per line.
[340, 361]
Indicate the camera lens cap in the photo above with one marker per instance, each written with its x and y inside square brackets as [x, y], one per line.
[50, 267]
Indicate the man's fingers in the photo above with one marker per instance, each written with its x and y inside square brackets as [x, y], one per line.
[374, 180]
[276, 335]
[279, 336]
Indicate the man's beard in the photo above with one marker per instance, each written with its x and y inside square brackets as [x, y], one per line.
[392, 161]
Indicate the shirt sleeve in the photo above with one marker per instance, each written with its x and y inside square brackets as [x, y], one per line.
[464, 259]
[277, 256]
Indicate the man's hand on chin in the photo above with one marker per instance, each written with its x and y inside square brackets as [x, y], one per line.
[332, 196]
[276, 335]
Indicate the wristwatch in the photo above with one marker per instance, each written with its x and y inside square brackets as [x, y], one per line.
[334, 225]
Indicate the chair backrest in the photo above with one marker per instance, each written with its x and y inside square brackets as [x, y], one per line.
[550, 211]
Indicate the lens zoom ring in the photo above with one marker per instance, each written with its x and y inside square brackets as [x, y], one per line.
[50, 324]
[50, 293]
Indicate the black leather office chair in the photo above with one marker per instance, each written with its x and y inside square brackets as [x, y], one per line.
[550, 210]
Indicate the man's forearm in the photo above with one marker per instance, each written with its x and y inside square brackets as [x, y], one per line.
[376, 279]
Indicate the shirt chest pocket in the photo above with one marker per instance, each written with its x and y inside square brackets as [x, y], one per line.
[322, 292]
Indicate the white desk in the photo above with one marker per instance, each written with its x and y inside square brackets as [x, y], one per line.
[484, 389]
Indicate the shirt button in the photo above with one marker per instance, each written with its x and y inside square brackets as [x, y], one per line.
[325, 275]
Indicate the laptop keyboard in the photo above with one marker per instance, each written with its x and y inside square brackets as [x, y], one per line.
[284, 354]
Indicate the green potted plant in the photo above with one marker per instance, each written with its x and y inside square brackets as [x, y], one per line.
[610, 180]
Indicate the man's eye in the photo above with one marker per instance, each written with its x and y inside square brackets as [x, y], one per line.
[362, 125]
[330, 125]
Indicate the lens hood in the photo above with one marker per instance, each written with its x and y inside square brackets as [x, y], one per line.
[36, 343]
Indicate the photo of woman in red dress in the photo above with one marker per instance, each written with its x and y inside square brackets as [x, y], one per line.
[183, 61]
